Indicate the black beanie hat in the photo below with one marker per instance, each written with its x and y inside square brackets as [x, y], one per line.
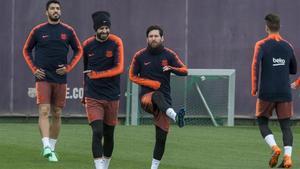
[101, 18]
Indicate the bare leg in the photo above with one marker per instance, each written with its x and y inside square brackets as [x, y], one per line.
[44, 110]
[55, 122]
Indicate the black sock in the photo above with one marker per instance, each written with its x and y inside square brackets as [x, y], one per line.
[263, 126]
[159, 100]
[287, 135]
[108, 134]
[97, 128]
[159, 149]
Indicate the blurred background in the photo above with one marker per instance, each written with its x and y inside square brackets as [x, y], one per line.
[207, 34]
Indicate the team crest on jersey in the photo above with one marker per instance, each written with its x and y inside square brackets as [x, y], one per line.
[109, 53]
[164, 62]
[63, 36]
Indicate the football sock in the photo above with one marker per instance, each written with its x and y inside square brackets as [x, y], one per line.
[288, 150]
[45, 141]
[171, 114]
[97, 128]
[160, 142]
[155, 164]
[52, 143]
[270, 140]
[108, 146]
[287, 134]
[106, 162]
[99, 163]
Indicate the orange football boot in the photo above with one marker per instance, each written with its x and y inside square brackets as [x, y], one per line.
[275, 154]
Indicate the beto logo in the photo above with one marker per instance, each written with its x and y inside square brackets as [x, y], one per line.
[164, 62]
[63, 36]
[109, 53]
[278, 62]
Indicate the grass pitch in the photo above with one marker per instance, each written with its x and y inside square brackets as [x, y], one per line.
[193, 147]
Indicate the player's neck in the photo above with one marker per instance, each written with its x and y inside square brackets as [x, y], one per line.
[273, 33]
[53, 22]
[100, 40]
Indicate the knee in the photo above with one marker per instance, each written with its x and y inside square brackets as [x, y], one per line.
[262, 121]
[56, 113]
[97, 128]
[44, 110]
[98, 132]
[161, 136]
[285, 124]
[108, 132]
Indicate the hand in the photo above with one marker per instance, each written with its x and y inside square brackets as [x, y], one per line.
[167, 68]
[254, 93]
[62, 70]
[88, 73]
[293, 85]
[39, 74]
[83, 100]
[156, 85]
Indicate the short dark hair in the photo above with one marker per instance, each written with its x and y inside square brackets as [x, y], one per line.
[273, 22]
[154, 27]
[52, 2]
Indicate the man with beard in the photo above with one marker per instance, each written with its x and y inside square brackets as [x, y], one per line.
[151, 68]
[103, 59]
[51, 41]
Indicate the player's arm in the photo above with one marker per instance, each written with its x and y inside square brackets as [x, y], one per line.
[293, 64]
[176, 66]
[295, 84]
[27, 53]
[27, 50]
[293, 70]
[118, 67]
[85, 66]
[255, 68]
[77, 50]
[134, 72]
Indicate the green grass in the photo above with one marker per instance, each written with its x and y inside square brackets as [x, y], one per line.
[193, 147]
